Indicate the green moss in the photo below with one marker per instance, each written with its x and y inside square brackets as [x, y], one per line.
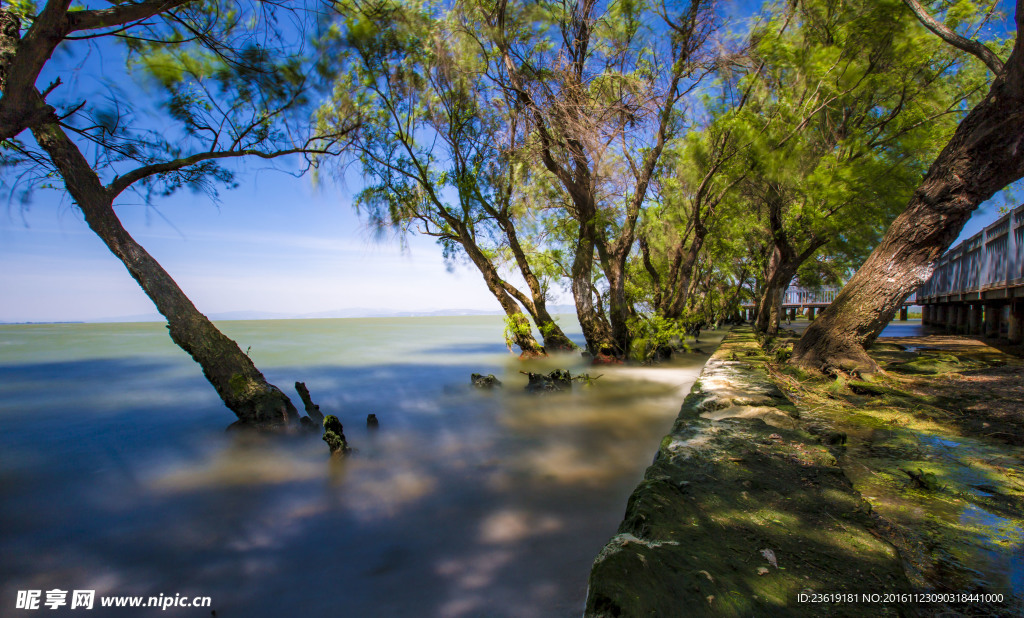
[929, 365]
[837, 387]
[334, 436]
[239, 384]
[696, 528]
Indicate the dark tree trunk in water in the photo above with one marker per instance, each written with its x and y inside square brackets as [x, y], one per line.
[518, 325]
[237, 380]
[555, 339]
[595, 329]
[619, 308]
[985, 154]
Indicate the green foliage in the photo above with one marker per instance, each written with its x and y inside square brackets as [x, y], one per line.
[652, 334]
[24, 10]
[226, 77]
[517, 327]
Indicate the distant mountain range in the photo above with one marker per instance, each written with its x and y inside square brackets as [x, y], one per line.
[354, 312]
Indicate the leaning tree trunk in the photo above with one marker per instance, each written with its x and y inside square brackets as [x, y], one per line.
[555, 339]
[684, 263]
[985, 154]
[518, 326]
[237, 380]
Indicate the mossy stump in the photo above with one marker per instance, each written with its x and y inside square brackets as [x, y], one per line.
[334, 436]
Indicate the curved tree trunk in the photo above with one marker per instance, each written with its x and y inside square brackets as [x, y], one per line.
[555, 339]
[985, 154]
[519, 328]
[237, 380]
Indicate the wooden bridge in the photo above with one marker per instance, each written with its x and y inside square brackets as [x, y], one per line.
[809, 300]
[977, 287]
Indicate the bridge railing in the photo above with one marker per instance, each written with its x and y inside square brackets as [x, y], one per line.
[797, 296]
[806, 296]
[992, 258]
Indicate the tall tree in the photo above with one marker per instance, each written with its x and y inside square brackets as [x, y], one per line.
[439, 149]
[227, 94]
[697, 175]
[849, 105]
[602, 87]
[984, 155]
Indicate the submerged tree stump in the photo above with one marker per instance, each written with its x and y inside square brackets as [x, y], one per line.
[487, 382]
[557, 380]
[334, 436]
[312, 409]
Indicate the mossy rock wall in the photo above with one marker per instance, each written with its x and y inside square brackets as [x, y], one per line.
[743, 514]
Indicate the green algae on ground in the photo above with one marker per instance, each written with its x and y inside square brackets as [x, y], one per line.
[741, 515]
[952, 499]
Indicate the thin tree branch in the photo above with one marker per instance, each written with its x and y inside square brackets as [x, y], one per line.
[974, 48]
[121, 183]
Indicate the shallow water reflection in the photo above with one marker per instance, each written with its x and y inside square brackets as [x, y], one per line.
[116, 475]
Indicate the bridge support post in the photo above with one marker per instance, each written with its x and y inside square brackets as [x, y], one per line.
[1016, 324]
[963, 314]
[977, 325]
[810, 313]
[993, 319]
[792, 314]
[926, 314]
[903, 314]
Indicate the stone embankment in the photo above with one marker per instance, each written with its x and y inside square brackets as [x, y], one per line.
[745, 512]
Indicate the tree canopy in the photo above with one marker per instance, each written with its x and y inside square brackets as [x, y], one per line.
[657, 162]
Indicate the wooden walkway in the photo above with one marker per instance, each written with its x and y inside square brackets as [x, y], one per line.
[977, 287]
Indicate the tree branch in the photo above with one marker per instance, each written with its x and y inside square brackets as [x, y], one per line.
[974, 48]
[121, 183]
[119, 15]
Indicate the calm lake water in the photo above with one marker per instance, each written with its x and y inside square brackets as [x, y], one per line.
[116, 474]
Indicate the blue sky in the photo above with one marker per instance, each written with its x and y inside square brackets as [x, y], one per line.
[277, 244]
